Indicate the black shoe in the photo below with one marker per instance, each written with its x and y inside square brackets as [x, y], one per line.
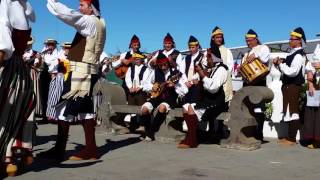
[52, 153]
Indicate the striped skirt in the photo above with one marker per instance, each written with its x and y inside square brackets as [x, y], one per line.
[17, 101]
[55, 92]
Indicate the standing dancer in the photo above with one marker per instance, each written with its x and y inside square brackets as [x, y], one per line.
[84, 54]
[17, 99]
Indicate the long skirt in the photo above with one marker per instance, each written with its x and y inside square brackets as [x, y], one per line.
[17, 101]
[35, 75]
[55, 91]
[312, 124]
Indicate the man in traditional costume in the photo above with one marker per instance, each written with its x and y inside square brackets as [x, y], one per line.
[293, 70]
[86, 48]
[260, 52]
[168, 50]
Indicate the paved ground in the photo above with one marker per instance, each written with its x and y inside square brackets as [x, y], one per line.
[125, 158]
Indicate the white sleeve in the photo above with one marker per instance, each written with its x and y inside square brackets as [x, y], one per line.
[263, 54]
[229, 61]
[145, 79]
[216, 81]
[84, 24]
[295, 67]
[6, 44]
[128, 78]
[181, 65]
[30, 13]
[148, 81]
[181, 88]
[117, 63]
[310, 68]
[154, 58]
[179, 62]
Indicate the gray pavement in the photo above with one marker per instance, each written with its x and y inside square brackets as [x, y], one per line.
[125, 158]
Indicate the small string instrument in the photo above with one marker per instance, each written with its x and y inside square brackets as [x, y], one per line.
[158, 88]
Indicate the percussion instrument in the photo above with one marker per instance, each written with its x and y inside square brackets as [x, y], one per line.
[253, 71]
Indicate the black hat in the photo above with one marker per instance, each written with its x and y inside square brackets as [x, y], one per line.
[251, 34]
[299, 32]
[216, 31]
[193, 41]
[134, 39]
[96, 4]
[168, 38]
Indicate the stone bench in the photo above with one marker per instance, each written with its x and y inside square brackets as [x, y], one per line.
[113, 103]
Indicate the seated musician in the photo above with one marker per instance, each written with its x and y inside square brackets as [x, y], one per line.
[125, 61]
[136, 74]
[262, 53]
[211, 101]
[163, 97]
[188, 66]
[175, 58]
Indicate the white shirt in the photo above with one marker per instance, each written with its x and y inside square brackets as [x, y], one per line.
[52, 60]
[180, 87]
[191, 67]
[262, 52]
[13, 15]
[297, 62]
[136, 79]
[215, 81]
[84, 24]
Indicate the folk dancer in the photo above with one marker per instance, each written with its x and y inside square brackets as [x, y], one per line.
[212, 99]
[163, 95]
[293, 70]
[17, 99]
[48, 61]
[56, 84]
[260, 52]
[311, 133]
[30, 57]
[169, 50]
[84, 54]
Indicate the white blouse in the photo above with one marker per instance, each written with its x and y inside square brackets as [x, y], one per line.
[13, 15]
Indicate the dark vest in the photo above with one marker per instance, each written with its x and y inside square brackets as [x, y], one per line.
[143, 69]
[169, 95]
[188, 61]
[217, 99]
[299, 79]
[77, 48]
[128, 55]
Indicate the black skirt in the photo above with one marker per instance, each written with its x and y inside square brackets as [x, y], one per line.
[17, 100]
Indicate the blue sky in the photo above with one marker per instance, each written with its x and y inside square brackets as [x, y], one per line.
[152, 19]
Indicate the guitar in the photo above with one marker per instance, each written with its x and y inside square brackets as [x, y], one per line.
[158, 88]
[121, 70]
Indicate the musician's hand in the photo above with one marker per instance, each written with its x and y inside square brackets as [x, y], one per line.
[38, 56]
[170, 84]
[197, 68]
[137, 89]
[188, 84]
[131, 90]
[149, 56]
[312, 90]
[195, 81]
[251, 58]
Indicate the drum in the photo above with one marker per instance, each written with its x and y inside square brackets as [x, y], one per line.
[254, 71]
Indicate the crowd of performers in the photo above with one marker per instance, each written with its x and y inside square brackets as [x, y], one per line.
[58, 84]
